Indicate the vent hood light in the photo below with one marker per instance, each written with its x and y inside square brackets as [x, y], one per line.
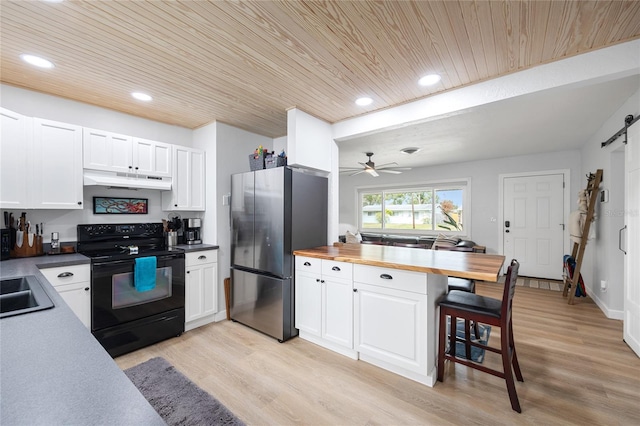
[36, 61]
[429, 80]
[141, 96]
[364, 101]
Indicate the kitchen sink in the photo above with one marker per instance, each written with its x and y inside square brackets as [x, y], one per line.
[22, 295]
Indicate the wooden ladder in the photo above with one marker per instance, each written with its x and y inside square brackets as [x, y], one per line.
[578, 249]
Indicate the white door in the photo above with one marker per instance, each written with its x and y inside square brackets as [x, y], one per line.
[631, 328]
[533, 224]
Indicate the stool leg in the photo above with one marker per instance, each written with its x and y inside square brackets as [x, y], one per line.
[508, 372]
[514, 360]
[452, 336]
[476, 330]
[442, 341]
[467, 338]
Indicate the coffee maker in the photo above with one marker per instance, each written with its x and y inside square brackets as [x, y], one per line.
[191, 231]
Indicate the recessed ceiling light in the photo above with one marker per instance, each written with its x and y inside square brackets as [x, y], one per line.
[36, 61]
[429, 80]
[141, 96]
[411, 150]
[364, 101]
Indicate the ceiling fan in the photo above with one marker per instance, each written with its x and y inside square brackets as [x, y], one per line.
[370, 167]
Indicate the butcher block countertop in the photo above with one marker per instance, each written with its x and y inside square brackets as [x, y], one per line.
[478, 266]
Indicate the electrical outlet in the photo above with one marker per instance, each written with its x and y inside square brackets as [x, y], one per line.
[603, 285]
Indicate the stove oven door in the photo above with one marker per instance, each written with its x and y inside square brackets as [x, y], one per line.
[115, 300]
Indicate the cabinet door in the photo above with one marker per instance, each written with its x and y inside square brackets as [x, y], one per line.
[201, 291]
[337, 311]
[78, 297]
[308, 297]
[107, 151]
[14, 167]
[390, 325]
[151, 158]
[188, 187]
[57, 157]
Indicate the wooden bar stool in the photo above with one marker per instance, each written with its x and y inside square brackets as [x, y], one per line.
[472, 307]
[463, 284]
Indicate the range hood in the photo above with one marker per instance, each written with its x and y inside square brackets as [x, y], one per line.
[121, 180]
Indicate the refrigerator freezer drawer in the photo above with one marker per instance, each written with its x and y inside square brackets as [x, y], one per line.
[263, 303]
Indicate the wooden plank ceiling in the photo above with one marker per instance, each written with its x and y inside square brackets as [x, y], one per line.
[245, 63]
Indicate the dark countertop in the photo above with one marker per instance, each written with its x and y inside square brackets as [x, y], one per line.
[197, 247]
[52, 369]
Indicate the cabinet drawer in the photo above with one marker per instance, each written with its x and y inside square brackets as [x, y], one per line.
[63, 275]
[415, 282]
[343, 270]
[200, 257]
[308, 264]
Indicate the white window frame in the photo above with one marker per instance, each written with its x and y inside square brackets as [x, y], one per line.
[464, 184]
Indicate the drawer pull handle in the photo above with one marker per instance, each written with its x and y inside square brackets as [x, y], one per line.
[203, 257]
[335, 268]
[65, 274]
[386, 277]
[86, 289]
[307, 264]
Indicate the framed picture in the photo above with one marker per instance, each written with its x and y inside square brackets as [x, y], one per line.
[111, 205]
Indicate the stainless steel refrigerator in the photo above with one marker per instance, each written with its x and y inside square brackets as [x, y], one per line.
[273, 212]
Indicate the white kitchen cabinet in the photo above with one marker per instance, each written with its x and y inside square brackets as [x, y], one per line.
[15, 167]
[395, 318]
[201, 292]
[107, 151]
[188, 187]
[324, 303]
[41, 163]
[73, 285]
[309, 141]
[57, 155]
[112, 152]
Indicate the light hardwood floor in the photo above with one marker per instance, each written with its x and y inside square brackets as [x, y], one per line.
[576, 367]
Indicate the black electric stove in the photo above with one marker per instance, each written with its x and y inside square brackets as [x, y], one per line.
[123, 241]
[124, 315]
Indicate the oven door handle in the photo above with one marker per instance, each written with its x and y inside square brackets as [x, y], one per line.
[129, 261]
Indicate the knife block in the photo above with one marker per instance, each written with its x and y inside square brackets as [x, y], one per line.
[26, 250]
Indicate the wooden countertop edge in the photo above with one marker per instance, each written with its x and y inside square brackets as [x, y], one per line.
[407, 267]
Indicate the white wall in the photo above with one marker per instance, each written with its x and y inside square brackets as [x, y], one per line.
[603, 260]
[233, 147]
[484, 187]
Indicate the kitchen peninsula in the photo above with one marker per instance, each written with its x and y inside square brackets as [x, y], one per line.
[379, 303]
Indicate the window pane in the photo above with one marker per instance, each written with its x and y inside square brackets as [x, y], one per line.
[449, 210]
[408, 210]
[423, 209]
[371, 211]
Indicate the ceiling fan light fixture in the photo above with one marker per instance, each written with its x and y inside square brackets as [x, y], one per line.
[409, 151]
[36, 61]
[429, 80]
[364, 101]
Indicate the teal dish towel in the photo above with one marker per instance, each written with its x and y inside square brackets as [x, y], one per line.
[144, 273]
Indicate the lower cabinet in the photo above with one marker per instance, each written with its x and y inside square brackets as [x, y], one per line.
[73, 284]
[201, 288]
[324, 303]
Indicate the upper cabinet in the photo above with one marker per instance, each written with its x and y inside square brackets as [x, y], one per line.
[57, 155]
[309, 141]
[113, 152]
[41, 163]
[14, 165]
[188, 189]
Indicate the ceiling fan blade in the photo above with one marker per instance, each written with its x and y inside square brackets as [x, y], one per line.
[395, 168]
[372, 172]
[395, 172]
[357, 173]
[385, 165]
